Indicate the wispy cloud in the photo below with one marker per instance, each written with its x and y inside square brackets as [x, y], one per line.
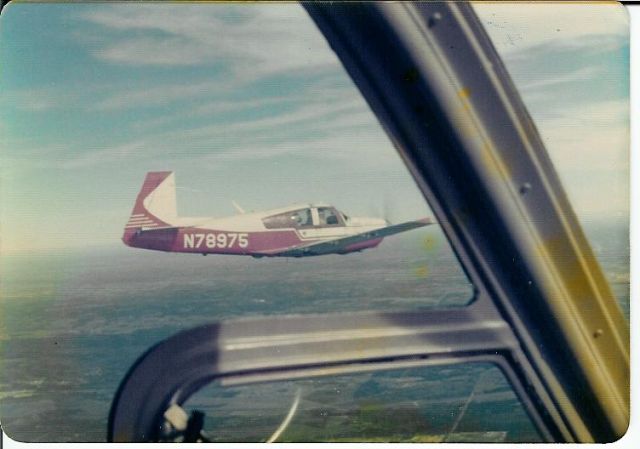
[159, 95]
[251, 41]
[311, 112]
[362, 150]
[329, 126]
[516, 26]
[98, 156]
[580, 74]
[589, 146]
[214, 107]
[36, 99]
[590, 137]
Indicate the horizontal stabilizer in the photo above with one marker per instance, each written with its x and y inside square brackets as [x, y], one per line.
[163, 228]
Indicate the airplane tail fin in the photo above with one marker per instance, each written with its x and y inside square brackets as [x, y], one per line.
[155, 205]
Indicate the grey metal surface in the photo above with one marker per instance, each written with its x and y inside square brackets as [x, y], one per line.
[287, 347]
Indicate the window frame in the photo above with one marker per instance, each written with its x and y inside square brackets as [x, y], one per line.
[335, 212]
[246, 351]
[287, 216]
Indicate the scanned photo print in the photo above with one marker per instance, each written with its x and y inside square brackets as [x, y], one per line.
[314, 222]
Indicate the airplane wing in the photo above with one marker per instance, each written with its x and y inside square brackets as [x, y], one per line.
[332, 246]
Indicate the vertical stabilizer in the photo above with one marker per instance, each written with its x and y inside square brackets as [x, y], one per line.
[155, 205]
[161, 200]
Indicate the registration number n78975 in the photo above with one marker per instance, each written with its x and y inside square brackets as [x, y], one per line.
[215, 240]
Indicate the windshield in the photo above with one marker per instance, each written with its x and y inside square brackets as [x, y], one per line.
[248, 105]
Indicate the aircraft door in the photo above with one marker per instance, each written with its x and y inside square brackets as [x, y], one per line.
[327, 223]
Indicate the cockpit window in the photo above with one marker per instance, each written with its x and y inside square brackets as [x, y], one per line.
[460, 403]
[328, 217]
[300, 218]
[291, 128]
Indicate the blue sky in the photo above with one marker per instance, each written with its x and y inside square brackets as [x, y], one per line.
[248, 102]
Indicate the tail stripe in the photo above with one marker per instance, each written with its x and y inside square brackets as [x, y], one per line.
[151, 225]
[136, 220]
[137, 225]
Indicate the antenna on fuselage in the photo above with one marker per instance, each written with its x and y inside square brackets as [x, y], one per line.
[237, 206]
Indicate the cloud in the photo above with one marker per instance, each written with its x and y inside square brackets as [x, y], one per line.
[589, 147]
[591, 137]
[307, 113]
[37, 99]
[333, 126]
[247, 41]
[116, 154]
[159, 95]
[580, 74]
[217, 107]
[150, 51]
[515, 26]
[242, 138]
[363, 150]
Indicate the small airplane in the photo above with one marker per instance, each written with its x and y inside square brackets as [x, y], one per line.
[294, 231]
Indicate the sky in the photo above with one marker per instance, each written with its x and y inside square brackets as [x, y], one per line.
[248, 103]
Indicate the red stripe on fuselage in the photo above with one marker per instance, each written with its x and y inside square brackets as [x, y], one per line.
[362, 245]
[210, 241]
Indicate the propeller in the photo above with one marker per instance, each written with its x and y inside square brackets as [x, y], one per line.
[380, 209]
[387, 211]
